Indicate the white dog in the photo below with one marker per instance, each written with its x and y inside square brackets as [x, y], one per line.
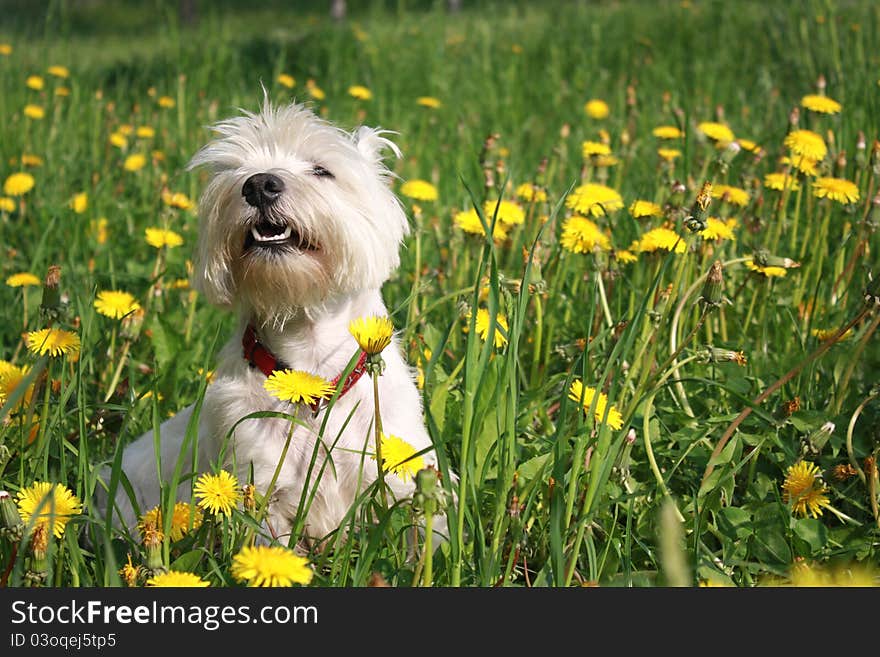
[298, 231]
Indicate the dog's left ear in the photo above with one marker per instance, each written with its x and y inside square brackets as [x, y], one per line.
[371, 143]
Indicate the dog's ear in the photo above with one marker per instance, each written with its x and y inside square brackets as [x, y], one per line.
[371, 143]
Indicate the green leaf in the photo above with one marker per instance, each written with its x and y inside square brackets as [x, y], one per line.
[812, 531]
[734, 522]
[187, 561]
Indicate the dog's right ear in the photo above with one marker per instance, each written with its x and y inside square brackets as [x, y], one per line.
[371, 143]
[212, 275]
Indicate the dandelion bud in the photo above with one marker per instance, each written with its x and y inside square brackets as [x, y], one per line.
[248, 497]
[630, 96]
[565, 131]
[872, 291]
[429, 497]
[861, 157]
[840, 162]
[719, 113]
[875, 157]
[38, 569]
[696, 220]
[153, 545]
[51, 305]
[717, 355]
[10, 522]
[713, 288]
[794, 117]
[817, 439]
[874, 213]
[630, 436]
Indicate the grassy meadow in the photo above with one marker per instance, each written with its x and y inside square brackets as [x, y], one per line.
[641, 289]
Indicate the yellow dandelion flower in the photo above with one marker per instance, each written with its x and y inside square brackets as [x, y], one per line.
[509, 213]
[837, 189]
[22, 279]
[807, 144]
[580, 235]
[34, 82]
[667, 132]
[135, 162]
[118, 140]
[145, 132]
[748, 145]
[59, 71]
[7, 204]
[126, 129]
[286, 80]
[31, 160]
[669, 154]
[592, 148]
[177, 579]
[180, 518]
[157, 155]
[5, 49]
[781, 181]
[11, 376]
[177, 200]
[62, 91]
[812, 575]
[314, 90]
[531, 193]
[585, 395]
[98, 228]
[420, 190]
[79, 203]
[594, 199]
[400, 458]
[47, 504]
[770, 271]
[297, 386]
[115, 304]
[159, 237]
[821, 104]
[217, 493]
[270, 565]
[625, 257]
[166, 102]
[429, 101]
[826, 334]
[803, 489]
[18, 184]
[718, 132]
[34, 112]
[52, 341]
[803, 164]
[732, 195]
[129, 573]
[469, 222]
[372, 333]
[658, 239]
[499, 338]
[605, 161]
[360, 92]
[716, 230]
[640, 209]
[597, 109]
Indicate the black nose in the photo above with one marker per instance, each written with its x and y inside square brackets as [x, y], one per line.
[262, 189]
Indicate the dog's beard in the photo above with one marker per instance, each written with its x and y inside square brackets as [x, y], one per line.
[282, 266]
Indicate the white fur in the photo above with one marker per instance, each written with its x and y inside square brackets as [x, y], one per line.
[301, 303]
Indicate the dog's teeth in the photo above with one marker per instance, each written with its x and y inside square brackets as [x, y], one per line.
[259, 237]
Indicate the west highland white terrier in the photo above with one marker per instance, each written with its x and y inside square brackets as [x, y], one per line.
[299, 229]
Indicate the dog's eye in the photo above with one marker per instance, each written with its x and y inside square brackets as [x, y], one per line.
[318, 170]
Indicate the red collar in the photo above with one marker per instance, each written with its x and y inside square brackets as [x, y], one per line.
[258, 356]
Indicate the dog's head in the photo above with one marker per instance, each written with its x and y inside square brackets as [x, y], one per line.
[297, 212]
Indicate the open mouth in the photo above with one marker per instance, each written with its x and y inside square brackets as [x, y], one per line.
[271, 236]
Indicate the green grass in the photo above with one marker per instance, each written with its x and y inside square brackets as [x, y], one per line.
[547, 494]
